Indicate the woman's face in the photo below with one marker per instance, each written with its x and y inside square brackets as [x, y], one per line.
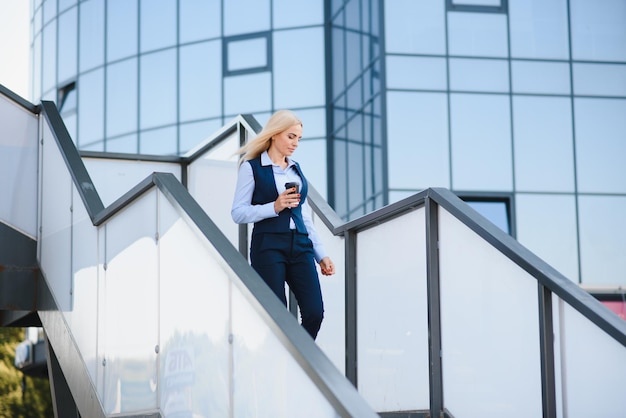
[287, 141]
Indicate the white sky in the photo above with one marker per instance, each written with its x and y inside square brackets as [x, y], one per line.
[15, 46]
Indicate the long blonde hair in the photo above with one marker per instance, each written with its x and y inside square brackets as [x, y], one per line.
[278, 122]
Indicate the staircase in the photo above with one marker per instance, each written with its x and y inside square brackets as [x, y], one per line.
[139, 278]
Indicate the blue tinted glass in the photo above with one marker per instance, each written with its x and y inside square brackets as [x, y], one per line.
[479, 75]
[478, 34]
[122, 29]
[247, 93]
[49, 10]
[125, 144]
[299, 79]
[415, 27]
[121, 108]
[37, 68]
[157, 24]
[49, 63]
[540, 77]
[248, 53]
[64, 4]
[353, 56]
[544, 146]
[481, 142]
[200, 84]
[338, 62]
[547, 225]
[495, 212]
[246, 16]
[417, 125]
[598, 30]
[157, 86]
[192, 134]
[162, 141]
[599, 79]
[602, 239]
[600, 145]
[405, 72]
[340, 177]
[91, 34]
[199, 20]
[293, 14]
[90, 107]
[68, 45]
[539, 29]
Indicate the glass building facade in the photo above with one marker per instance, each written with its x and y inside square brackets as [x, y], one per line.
[517, 106]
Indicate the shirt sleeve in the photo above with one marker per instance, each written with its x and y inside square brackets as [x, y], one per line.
[318, 246]
[243, 211]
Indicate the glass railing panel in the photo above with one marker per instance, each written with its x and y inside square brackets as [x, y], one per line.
[194, 322]
[56, 220]
[590, 364]
[392, 314]
[114, 177]
[491, 362]
[83, 317]
[267, 381]
[130, 312]
[212, 184]
[332, 336]
[18, 167]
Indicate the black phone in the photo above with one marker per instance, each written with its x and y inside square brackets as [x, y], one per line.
[291, 185]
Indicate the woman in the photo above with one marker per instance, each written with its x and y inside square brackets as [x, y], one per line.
[285, 244]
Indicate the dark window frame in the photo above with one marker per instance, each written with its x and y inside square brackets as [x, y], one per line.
[503, 8]
[267, 35]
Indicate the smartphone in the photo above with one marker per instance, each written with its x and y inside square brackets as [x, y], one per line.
[291, 185]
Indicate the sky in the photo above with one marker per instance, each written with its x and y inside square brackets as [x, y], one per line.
[15, 46]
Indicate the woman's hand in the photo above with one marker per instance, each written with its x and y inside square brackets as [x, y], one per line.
[328, 267]
[287, 199]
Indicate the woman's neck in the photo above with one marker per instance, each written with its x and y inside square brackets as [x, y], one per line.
[277, 158]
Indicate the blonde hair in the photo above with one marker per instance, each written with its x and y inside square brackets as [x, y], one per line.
[280, 121]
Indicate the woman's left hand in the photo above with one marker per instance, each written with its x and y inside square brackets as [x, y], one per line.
[328, 267]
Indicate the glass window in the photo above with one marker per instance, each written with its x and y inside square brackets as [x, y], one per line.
[121, 103]
[417, 140]
[90, 107]
[126, 144]
[91, 34]
[122, 32]
[37, 68]
[417, 73]
[598, 30]
[415, 27]
[200, 84]
[540, 77]
[294, 14]
[247, 93]
[199, 20]
[245, 54]
[49, 63]
[602, 239]
[157, 24]
[338, 62]
[599, 79]
[191, 134]
[496, 210]
[354, 63]
[67, 98]
[162, 141]
[546, 225]
[484, 75]
[544, 149]
[244, 16]
[299, 73]
[49, 10]
[158, 89]
[356, 196]
[314, 122]
[481, 142]
[478, 34]
[539, 29]
[488, 3]
[600, 145]
[340, 181]
[68, 45]
[64, 4]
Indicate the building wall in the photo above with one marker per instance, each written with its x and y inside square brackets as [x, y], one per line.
[516, 105]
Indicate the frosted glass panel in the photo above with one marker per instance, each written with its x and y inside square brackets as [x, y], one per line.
[592, 374]
[55, 235]
[489, 323]
[392, 314]
[18, 165]
[194, 355]
[267, 381]
[112, 178]
[131, 307]
[83, 318]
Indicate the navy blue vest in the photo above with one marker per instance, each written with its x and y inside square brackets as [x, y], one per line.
[265, 192]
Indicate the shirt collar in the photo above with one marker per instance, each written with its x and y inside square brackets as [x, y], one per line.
[266, 160]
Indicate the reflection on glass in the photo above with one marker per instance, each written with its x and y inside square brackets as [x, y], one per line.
[91, 22]
[157, 89]
[90, 107]
[247, 93]
[157, 24]
[598, 30]
[200, 84]
[121, 116]
[478, 34]
[162, 141]
[121, 29]
[244, 16]
[68, 45]
[247, 54]
[496, 212]
[540, 77]
[599, 79]
[199, 20]
[415, 27]
[479, 75]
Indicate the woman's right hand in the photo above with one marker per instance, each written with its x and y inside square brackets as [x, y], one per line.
[287, 199]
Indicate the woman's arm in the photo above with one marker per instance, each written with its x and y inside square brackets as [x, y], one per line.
[243, 211]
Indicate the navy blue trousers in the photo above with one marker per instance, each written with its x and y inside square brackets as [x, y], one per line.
[288, 257]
